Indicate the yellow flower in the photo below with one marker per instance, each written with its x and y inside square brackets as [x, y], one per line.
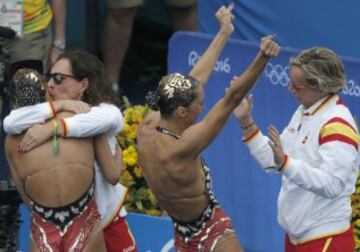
[127, 128]
[140, 198]
[138, 172]
[129, 156]
[126, 179]
[130, 161]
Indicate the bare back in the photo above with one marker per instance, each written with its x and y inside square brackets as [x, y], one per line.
[53, 180]
[178, 185]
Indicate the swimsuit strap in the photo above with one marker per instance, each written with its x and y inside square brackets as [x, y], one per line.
[168, 132]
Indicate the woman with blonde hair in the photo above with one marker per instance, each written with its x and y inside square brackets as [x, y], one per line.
[317, 155]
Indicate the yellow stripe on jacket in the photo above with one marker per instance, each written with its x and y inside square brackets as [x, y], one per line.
[337, 129]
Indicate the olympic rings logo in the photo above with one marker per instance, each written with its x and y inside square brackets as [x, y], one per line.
[277, 74]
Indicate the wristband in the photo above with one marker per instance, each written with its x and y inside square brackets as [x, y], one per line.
[63, 123]
[59, 44]
[53, 111]
[248, 126]
[284, 164]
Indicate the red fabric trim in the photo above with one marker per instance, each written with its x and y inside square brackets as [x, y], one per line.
[251, 136]
[319, 107]
[283, 165]
[338, 137]
[340, 120]
[121, 206]
[341, 102]
[62, 121]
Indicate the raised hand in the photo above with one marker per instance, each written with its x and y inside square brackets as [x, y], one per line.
[275, 145]
[268, 47]
[225, 18]
[243, 111]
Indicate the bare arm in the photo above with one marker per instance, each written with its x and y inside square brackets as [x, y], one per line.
[200, 135]
[111, 166]
[23, 118]
[15, 177]
[206, 63]
[59, 11]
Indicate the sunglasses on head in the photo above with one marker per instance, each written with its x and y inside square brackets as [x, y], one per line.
[58, 77]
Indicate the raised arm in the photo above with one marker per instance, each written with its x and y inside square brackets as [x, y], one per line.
[59, 31]
[110, 165]
[198, 136]
[206, 63]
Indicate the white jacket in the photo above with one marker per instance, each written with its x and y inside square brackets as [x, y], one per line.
[322, 144]
[105, 118]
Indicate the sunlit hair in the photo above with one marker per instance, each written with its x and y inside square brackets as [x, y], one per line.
[85, 65]
[27, 88]
[323, 69]
[174, 90]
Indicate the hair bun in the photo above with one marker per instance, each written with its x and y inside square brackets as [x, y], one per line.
[152, 100]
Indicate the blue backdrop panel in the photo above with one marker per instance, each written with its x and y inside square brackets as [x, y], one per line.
[247, 193]
[152, 234]
[298, 24]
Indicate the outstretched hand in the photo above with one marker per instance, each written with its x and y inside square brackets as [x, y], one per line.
[268, 47]
[225, 18]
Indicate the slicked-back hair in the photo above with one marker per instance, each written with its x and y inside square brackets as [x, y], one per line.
[323, 69]
[176, 90]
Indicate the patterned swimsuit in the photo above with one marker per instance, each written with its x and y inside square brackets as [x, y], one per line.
[67, 228]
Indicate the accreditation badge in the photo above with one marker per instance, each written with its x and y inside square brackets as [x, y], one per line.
[11, 15]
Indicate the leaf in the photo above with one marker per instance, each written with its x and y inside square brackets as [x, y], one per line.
[141, 193]
[139, 205]
[127, 103]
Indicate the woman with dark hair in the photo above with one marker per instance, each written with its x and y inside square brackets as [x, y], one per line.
[170, 144]
[87, 66]
[317, 155]
[77, 83]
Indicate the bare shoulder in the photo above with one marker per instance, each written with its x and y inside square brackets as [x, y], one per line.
[148, 125]
[152, 118]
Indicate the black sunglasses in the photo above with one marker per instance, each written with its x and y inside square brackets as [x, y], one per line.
[59, 77]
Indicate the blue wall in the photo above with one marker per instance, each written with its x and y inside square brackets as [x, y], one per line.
[298, 24]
